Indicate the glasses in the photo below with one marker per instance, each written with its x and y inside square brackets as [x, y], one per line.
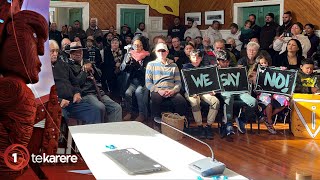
[162, 50]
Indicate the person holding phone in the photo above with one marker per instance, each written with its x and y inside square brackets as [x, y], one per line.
[280, 44]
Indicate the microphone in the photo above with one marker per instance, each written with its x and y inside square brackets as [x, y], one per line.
[207, 166]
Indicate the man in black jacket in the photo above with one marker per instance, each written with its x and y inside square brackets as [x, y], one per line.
[177, 30]
[286, 26]
[268, 33]
[255, 28]
[54, 34]
[88, 75]
[92, 53]
[69, 91]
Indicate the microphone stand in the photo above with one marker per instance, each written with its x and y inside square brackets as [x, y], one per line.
[207, 166]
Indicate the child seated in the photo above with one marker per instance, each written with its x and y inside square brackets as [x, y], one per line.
[307, 81]
[246, 112]
[210, 98]
[272, 104]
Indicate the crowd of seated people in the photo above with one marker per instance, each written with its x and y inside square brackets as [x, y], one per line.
[96, 72]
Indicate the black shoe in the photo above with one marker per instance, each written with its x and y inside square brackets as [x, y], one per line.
[223, 130]
[201, 132]
[209, 132]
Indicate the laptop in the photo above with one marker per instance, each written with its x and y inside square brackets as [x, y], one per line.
[134, 162]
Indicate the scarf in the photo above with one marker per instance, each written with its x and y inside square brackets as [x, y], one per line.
[117, 55]
[139, 56]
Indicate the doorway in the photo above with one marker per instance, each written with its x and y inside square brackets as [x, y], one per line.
[68, 12]
[241, 11]
[132, 15]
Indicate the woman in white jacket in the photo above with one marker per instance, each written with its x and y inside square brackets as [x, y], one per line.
[280, 44]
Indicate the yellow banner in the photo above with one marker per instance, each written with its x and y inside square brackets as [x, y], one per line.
[163, 6]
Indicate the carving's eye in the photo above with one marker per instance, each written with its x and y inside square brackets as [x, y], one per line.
[35, 35]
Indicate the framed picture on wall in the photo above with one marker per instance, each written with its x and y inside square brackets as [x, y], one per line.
[196, 16]
[214, 16]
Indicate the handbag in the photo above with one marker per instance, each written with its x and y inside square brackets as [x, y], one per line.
[175, 120]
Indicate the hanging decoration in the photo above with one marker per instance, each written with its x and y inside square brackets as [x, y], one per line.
[163, 6]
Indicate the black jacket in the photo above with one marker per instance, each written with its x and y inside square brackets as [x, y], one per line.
[177, 31]
[93, 54]
[267, 34]
[65, 81]
[56, 35]
[86, 83]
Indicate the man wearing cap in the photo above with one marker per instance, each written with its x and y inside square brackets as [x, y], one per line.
[245, 101]
[92, 53]
[268, 33]
[164, 82]
[87, 77]
[69, 91]
[210, 98]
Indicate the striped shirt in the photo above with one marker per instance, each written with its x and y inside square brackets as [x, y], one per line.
[162, 76]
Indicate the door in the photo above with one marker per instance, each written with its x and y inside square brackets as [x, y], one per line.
[132, 17]
[75, 14]
[260, 12]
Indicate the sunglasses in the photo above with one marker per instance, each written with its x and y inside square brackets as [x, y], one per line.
[162, 50]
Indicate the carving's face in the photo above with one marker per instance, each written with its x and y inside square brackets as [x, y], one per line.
[27, 65]
[19, 55]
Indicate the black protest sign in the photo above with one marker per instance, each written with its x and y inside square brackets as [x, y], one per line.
[201, 80]
[275, 80]
[234, 79]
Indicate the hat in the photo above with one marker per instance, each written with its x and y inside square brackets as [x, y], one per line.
[160, 46]
[271, 15]
[222, 55]
[74, 46]
[196, 52]
[90, 38]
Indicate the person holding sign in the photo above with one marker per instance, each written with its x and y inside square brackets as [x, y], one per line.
[210, 98]
[248, 103]
[307, 82]
[164, 82]
[271, 105]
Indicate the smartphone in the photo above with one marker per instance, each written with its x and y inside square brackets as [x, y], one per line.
[287, 34]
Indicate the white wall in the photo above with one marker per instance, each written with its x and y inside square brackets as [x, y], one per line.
[62, 17]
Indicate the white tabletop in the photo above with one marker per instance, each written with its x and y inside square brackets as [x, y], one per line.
[91, 140]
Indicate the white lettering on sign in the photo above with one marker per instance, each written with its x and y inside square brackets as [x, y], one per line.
[278, 81]
[202, 81]
[230, 79]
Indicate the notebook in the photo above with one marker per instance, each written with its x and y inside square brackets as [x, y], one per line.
[134, 162]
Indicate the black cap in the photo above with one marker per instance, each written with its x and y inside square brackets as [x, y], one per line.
[271, 15]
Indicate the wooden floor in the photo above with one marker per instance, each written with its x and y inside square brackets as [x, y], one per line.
[264, 156]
